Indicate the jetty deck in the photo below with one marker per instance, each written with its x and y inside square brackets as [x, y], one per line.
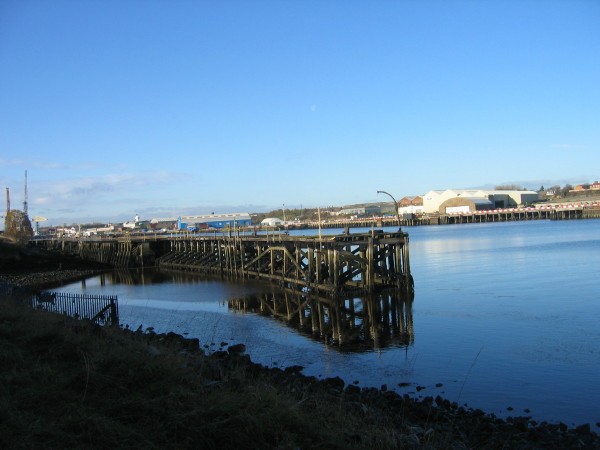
[365, 262]
[362, 262]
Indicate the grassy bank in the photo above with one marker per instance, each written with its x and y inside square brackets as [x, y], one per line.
[70, 384]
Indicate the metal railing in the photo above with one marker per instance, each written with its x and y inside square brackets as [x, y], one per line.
[100, 309]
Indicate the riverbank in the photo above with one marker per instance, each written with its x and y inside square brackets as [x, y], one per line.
[37, 268]
[67, 383]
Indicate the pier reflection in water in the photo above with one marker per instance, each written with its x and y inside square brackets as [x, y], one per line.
[349, 324]
[134, 277]
[131, 277]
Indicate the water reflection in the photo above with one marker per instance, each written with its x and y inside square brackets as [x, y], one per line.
[352, 324]
[348, 323]
[133, 277]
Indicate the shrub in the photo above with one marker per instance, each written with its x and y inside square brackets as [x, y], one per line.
[17, 226]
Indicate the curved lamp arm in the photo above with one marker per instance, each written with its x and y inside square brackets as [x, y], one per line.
[395, 205]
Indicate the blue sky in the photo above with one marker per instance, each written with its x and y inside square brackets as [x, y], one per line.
[161, 108]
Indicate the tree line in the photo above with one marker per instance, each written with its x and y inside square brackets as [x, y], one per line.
[553, 191]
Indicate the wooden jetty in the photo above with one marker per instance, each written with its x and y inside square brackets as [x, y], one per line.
[120, 252]
[365, 262]
[361, 262]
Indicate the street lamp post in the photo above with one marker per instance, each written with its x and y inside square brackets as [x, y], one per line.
[395, 205]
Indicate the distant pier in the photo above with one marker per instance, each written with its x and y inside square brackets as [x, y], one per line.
[565, 212]
[515, 214]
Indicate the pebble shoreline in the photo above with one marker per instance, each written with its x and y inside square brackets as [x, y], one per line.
[45, 279]
[419, 420]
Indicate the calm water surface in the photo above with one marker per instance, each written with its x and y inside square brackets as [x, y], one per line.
[504, 315]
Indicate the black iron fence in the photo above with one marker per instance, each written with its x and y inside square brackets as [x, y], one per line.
[101, 309]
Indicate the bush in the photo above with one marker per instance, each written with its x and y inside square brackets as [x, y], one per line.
[17, 226]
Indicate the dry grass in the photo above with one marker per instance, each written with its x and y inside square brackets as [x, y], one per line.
[69, 384]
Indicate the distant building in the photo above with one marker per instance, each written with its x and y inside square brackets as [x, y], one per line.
[132, 225]
[98, 230]
[410, 210]
[479, 199]
[361, 210]
[64, 231]
[271, 221]
[465, 204]
[218, 220]
[201, 221]
[595, 186]
[164, 223]
[409, 206]
[411, 201]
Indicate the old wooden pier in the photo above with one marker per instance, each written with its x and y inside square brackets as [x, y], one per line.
[366, 262]
[363, 262]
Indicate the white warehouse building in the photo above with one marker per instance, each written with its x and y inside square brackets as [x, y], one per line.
[492, 199]
[272, 221]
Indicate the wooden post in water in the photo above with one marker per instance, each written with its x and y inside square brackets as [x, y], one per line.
[370, 263]
[336, 270]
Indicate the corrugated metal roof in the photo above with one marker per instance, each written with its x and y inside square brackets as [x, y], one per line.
[479, 200]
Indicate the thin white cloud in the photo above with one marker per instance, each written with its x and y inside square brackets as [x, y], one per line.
[117, 197]
[125, 182]
[43, 200]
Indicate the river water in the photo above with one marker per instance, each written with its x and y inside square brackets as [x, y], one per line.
[505, 318]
